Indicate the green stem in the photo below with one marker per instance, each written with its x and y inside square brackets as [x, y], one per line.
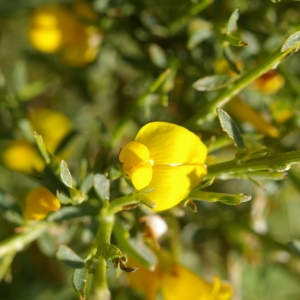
[208, 111]
[186, 18]
[156, 84]
[141, 255]
[278, 162]
[118, 204]
[100, 290]
[19, 241]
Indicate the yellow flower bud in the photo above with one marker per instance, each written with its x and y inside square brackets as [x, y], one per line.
[269, 83]
[166, 158]
[23, 157]
[39, 202]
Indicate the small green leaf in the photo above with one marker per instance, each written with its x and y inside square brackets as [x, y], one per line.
[79, 282]
[113, 173]
[211, 83]
[72, 212]
[134, 248]
[229, 199]
[77, 196]
[230, 128]
[102, 186]
[232, 22]
[230, 59]
[158, 56]
[295, 246]
[65, 174]
[87, 183]
[234, 41]
[144, 199]
[197, 37]
[36, 88]
[42, 148]
[6, 263]
[206, 184]
[69, 257]
[292, 41]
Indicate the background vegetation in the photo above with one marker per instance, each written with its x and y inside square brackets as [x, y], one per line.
[151, 56]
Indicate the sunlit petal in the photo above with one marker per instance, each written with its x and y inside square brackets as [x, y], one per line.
[171, 144]
[173, 184]
[133, 153]
[141, 177]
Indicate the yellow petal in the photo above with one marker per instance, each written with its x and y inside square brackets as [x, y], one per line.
[172, 184]
[141, 176]
[180, 283]
[39, 202]
[171, 144]
[133, 153]
[136, 164]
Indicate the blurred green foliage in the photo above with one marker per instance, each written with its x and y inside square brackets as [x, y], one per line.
[151, 54]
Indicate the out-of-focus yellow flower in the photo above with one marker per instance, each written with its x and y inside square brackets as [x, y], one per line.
[145, 281]
[49, 27]
[22, 156]
[281, 111]
[166, 158]
[39, 202]
[181, 283]
[177, 282]
[53, 126]
[54, 28]
[269, 83]
[246, 113]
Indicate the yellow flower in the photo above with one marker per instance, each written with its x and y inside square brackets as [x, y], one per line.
[54, 28]
[39, 202]
[166, 158]
[177, 282]
[246, 113]
[22, 156]
[52, 125]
